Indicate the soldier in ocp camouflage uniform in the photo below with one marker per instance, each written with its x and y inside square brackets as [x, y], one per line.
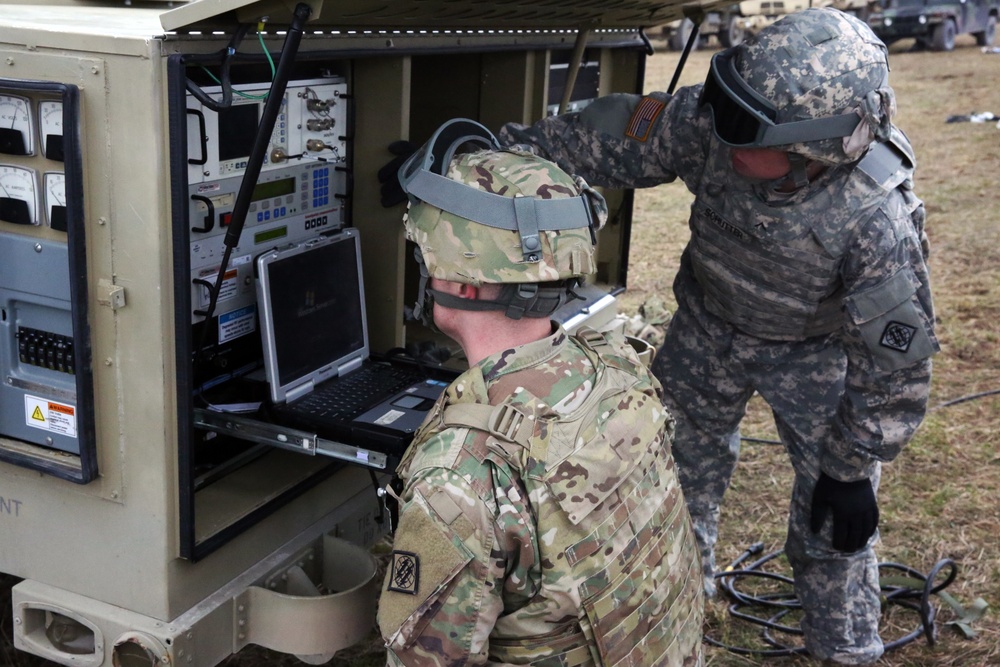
[541, 521]
[804, 280]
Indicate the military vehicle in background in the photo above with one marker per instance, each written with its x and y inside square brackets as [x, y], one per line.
[730, 24]
[935, 23]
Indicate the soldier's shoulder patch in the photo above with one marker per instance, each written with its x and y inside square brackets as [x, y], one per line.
[404, 572]
[643, 117]
[898, 336]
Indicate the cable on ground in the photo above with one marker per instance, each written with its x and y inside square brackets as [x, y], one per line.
[901, 585]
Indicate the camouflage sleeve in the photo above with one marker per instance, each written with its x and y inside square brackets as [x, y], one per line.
[889, 341]
[622, 140]
[464, 548]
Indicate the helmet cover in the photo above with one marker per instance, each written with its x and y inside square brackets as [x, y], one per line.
[818, 63]
[458, 249]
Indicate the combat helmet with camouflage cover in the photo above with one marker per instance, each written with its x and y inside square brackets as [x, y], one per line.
[496, 216]
[814, 84]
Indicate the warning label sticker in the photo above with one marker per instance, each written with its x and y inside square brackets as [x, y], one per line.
[227, 290]
[237, 323]
[50, 416]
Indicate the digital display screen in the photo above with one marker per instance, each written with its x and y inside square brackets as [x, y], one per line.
[316, 296]
[237, 129]
[285, 186]
[270, 235]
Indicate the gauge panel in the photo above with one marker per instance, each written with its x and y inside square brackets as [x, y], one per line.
[55, 200]
[50, 129]
[16, 135]
[18, 196]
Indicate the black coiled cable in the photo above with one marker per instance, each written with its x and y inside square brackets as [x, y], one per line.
[913, 591]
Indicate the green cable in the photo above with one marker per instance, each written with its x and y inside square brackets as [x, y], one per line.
[260, 38]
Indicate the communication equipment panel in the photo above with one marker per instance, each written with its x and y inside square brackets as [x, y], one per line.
[310, 126]
[299, 194]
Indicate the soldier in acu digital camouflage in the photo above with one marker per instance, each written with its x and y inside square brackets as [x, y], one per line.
[541, 519]
[804, 280]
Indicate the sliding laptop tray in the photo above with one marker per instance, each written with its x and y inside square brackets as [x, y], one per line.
[149, 151]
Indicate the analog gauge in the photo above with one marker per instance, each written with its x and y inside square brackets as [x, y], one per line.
[18, 200]
[50, 129]
[55, 200]
[15, 126]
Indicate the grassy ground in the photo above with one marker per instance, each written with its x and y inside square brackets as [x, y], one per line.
[941, 498]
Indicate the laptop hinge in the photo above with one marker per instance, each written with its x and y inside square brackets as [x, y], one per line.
[299, 391]
[350, 366]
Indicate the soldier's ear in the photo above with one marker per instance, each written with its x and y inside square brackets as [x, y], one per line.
[466, 291]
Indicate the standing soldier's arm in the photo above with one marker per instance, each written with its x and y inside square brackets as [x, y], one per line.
[622, 140]
[457, 557]
[889, 340]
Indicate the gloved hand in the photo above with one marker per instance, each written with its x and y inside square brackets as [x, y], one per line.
[853, 507]
[392, 191]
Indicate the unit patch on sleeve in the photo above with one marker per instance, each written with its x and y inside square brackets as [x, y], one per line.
[897, 336]
[404, 572]
[642, 118]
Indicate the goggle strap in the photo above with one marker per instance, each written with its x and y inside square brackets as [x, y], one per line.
[803, 131]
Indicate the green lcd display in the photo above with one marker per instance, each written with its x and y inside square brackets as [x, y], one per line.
[285, 186]
[270, 235]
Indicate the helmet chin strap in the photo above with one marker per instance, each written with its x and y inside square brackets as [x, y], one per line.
[798, 176]
[517, 300]
[423, 309]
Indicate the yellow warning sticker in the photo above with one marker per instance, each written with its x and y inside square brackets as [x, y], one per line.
[50, 416]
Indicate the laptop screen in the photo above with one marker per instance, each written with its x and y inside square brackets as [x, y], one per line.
[312, 310]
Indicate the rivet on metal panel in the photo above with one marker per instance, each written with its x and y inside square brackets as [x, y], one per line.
[10, 61]
[107, 361]
[95, 69]
[102, 221]
[38, 247]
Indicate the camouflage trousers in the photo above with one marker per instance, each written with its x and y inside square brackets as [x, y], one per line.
[709, 371]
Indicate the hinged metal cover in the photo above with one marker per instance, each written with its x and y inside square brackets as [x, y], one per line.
[430, 14]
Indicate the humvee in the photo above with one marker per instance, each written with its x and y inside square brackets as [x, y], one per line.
[935, 23]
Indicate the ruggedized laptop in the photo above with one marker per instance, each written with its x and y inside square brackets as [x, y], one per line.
[316, 355]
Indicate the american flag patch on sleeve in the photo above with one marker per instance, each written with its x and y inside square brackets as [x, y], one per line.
[642, 118]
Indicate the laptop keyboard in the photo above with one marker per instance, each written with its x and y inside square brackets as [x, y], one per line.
[347, 397]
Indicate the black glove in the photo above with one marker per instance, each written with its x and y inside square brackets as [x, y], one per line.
[392, 191]
[854, 510]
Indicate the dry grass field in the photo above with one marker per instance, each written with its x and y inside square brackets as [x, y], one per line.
[941, 498]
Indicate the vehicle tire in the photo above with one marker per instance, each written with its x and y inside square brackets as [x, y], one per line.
[987, 36]
[679, 39]
[731, 33]
[943, 38]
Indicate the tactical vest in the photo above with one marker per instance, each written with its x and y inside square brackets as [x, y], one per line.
[616, 543]
[773, 271]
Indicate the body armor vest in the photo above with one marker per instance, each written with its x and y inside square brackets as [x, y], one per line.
[621, 575]
[773, 270]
